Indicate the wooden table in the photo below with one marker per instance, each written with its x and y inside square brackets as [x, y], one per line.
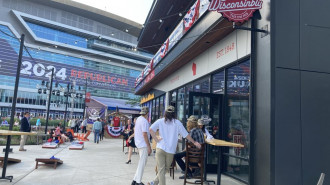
[219, 143]
[15, 133]
[10, 133]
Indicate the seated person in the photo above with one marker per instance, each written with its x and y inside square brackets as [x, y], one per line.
[201, 125]
[197, 134]
[58, 133]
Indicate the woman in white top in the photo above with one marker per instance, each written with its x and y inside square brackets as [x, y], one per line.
[203, 128]
[169, 129]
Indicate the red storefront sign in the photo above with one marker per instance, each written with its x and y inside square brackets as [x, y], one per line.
[236, 10]
[88, 97]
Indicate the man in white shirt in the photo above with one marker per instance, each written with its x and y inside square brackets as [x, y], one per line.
[169, 129]
[141, 136]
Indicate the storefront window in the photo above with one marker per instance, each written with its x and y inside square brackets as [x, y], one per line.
[161, 106]
[157, 109]
[153, 114]
[180, 106]
[237, 120]
[189, 88]
[173, 98]
[218, 83]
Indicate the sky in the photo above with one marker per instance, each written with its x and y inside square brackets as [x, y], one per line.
[135, 10]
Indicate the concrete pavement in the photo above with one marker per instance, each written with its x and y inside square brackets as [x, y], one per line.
[99, 164]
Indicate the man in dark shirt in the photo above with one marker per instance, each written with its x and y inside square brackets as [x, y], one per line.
[25, 127]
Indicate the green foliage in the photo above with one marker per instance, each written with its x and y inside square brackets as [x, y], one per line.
[134, 102]
[33, 121]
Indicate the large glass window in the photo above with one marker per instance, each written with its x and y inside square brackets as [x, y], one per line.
[57, 35]
[180, 105]
[218, 83]
[237, 120]
[173, 98]
[161, 106]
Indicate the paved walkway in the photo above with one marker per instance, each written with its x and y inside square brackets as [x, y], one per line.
[98, 164]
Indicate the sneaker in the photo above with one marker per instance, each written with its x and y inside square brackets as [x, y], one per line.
[133, 182]
[197, 173]
[189, 176]
[22, 150]
[139, 183]
[151, 183]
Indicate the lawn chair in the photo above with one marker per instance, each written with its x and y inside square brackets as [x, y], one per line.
[84, 137]
[73, 135]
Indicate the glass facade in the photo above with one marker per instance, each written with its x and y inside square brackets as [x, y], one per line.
[36, 62]
[57, 35]
[156, 108]
[79, 41]
[228, 109]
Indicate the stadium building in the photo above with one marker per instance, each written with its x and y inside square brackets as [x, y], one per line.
[89, 48]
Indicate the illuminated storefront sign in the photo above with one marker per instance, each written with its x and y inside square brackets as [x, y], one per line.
[236, 10]
[147, 98]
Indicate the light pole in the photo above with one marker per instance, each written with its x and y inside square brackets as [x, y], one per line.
[66, 103]
[84, 114]
[49, 97]
[13, 109]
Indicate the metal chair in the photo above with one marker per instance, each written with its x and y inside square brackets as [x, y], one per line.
[194, 160]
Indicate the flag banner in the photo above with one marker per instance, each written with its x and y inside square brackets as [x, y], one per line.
[195, 12]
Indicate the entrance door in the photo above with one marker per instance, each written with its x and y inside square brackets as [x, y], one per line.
[207, 104]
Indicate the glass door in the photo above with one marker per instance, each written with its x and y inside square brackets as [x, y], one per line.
[208, 106]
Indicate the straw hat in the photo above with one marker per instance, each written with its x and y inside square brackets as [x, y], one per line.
[170, 109]
[144, 110]
[192, 119]
[200, 122]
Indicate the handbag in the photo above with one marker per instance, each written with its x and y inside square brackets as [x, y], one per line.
[132, 142]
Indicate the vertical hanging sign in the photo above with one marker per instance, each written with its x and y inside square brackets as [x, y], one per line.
[236, 10]
[88, 97]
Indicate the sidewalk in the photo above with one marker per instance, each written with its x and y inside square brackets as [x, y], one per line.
[99, 164]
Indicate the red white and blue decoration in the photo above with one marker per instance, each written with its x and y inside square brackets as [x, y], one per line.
[191, 16]
[164, 48]
[194, 13]
[115, 131]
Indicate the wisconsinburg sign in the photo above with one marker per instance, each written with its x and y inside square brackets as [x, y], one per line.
[236, 10]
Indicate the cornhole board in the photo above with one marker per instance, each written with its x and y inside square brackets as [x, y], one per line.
[10, 160]
[51, 145]
[48, 162]
[76, 146]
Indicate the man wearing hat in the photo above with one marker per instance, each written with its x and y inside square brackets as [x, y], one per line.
[169, 129]
[197, 135]
[141, 136]
[201, 125]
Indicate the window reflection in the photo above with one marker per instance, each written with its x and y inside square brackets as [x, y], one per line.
[218, 83]
[238, 119]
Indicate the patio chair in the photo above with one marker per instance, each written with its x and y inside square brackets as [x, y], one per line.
[194, 160]
[84, 137]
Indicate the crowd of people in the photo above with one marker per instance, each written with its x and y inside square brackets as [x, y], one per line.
[164, 131]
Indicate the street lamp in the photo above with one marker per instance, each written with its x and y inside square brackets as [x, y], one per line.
[43, 89]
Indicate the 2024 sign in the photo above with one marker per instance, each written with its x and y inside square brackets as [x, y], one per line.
[39, 70]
